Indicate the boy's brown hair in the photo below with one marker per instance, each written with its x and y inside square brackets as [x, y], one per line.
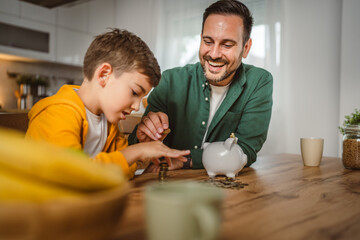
[125, 52]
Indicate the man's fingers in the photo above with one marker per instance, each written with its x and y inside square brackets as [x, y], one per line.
[156, 161]
[168, 160]
[164, 134]
[152, 125]
[164, 120]
[144, 130]
[156, 120]
[182, 159]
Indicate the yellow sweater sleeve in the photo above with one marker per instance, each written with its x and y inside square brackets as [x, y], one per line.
[119, 159]
[112, 154]
[59, 125]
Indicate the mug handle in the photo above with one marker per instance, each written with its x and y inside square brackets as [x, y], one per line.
[209, 221]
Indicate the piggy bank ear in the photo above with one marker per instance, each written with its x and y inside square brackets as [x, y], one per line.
[230, 142]
[206, 144]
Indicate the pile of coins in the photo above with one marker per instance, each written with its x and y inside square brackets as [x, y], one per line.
[163, 171]
[228, 183]
[164, 166]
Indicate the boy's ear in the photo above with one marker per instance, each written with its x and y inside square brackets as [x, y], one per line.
[103, 73]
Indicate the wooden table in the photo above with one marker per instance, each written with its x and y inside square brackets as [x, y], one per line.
[284, 200]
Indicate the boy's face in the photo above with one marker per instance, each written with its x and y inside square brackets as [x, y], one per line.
[121, 95]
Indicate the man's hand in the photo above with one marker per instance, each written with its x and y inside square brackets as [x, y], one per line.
[152, 126]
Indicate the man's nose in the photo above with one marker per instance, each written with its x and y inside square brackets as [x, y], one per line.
[215, 52]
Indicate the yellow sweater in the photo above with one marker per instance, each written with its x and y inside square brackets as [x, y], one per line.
[61, 119]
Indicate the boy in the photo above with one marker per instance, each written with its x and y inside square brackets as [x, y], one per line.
[119, 70]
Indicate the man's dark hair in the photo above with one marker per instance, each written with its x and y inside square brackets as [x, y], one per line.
[231, 7]
[125, 52]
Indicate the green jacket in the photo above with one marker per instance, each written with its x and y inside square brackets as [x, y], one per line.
[183, 94]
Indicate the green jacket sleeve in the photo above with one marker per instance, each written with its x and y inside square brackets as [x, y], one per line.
[253, 126]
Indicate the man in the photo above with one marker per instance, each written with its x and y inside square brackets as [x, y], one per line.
[207, 101]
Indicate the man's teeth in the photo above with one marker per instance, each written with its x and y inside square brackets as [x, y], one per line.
[216, 64]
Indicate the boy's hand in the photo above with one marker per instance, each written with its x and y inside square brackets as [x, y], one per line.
[175, 164]
[152, 126]
[152, 151]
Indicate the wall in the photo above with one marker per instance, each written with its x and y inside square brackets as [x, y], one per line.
[311, 72]
[350, 60]
[318, 82]
[139, 17]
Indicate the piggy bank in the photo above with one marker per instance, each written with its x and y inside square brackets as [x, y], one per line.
[224, 158]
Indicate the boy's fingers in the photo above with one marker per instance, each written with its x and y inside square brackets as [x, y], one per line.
[178, 154]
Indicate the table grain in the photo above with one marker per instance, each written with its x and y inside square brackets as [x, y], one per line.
[284, 200]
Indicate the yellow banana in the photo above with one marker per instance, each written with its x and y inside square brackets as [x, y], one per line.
[54, 164]
[18, 187]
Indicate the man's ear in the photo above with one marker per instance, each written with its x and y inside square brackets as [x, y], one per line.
[102, 73]
[247, 47]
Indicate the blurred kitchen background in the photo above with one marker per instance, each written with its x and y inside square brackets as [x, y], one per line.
[310, 46]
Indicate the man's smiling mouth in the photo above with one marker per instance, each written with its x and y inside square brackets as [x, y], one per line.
[216, 64]
[215, 67]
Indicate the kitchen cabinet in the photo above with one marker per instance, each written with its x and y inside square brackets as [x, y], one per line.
[74, 18]
[9, 7]
[101, 16]
[38, 14]
[70, 29]
[30, 25]
[71, 46]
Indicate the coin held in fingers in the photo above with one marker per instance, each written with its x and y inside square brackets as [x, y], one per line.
[165, 133]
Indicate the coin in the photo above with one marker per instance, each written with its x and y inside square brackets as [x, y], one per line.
[228, 183]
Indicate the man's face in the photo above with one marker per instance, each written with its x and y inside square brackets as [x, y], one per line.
[221, 48]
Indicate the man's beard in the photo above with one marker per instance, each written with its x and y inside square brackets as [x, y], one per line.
[221, 78]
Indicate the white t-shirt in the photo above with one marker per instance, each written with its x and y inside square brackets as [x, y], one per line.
[97, 133]
[217, 96]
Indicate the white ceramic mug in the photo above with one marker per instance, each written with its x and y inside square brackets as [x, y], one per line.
[311, 150]
[183, 210]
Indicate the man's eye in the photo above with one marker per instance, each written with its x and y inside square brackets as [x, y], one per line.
[207, 42]
[228, 45]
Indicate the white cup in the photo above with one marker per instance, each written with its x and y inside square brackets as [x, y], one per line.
[183, 211]
[311, 151]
